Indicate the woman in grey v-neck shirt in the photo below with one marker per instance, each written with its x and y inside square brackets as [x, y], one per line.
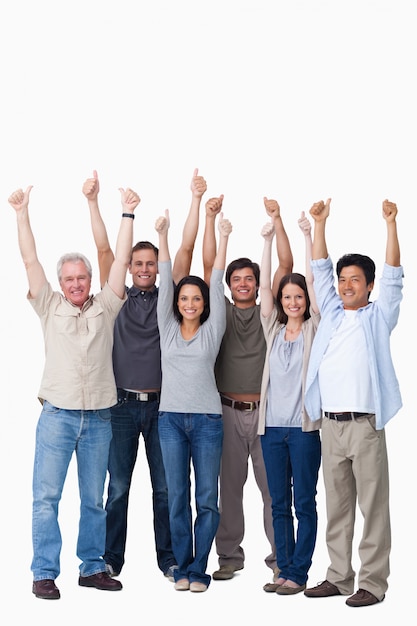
[191, 321]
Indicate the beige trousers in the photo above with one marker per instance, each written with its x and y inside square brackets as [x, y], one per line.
[355, 471]
[241, 441]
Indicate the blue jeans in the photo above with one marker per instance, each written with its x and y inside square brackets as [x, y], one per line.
[196, 438]
[129, 419]
[292, 461]
[59, 433]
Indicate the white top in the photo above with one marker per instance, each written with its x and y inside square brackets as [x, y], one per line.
[348, 388]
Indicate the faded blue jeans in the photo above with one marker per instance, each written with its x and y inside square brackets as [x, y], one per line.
[60, 433]
[195, 438]
[129, 419]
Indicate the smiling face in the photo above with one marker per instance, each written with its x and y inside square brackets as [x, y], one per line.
[144, 269]
[190, 302]
[243, 287]
[353, 288]
[75, 282]
[293, 301]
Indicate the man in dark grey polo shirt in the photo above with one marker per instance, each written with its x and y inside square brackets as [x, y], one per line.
[137, 369]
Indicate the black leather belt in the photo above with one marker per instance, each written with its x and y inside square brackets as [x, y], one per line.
[240, 406]
[139, 396]
[347, 416]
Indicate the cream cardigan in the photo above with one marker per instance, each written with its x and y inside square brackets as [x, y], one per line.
[271, 328]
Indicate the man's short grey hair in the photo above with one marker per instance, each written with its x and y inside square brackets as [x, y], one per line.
[73, 257]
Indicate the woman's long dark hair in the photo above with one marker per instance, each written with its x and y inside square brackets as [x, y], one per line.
[199, 282]
[300, 281]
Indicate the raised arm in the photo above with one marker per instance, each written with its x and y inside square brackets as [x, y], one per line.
[213, 208]
[19, 200]
[285, 258]
[105, 254]
[320, 212]
[265, 290]
[305, 226]
[392, 254]
[184, 256]
[225, 228]
[117, 274]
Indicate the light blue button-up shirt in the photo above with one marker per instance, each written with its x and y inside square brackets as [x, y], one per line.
[378, 319]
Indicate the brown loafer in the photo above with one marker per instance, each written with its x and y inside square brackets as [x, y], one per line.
[285, 590]
[46, 589]
[271, 587]
[322, 590]
[100, 581]
[363, 598]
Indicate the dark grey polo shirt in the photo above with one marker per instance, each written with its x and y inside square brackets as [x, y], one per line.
[136, 350]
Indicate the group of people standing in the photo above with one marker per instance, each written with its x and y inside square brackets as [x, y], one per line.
[301, 378]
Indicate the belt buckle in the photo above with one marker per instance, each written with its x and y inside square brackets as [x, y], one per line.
[252, 405]
[346, 416]
[143, 397]
[339, 415]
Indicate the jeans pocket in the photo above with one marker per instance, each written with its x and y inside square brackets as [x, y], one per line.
[104, 415]
[215, 417]
[49, 408]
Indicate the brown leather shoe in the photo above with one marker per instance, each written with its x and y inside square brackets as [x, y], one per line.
[322, 590]
[363, 598]
[45, 589]
[100, 581]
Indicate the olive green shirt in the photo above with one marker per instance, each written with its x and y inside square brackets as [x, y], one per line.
[241, 358]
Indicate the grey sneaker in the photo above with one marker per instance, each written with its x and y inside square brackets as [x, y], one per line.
[110, 571]
[170, 573]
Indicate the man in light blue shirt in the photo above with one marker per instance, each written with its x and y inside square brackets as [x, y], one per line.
[351, 379]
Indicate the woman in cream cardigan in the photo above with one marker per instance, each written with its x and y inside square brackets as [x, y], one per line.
[290, 440]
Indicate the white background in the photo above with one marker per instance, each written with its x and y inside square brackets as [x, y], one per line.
[298, 101]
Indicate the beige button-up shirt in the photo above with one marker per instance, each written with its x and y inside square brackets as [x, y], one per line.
[78, 371]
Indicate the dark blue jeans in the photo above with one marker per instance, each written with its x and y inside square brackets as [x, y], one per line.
[130, 418]
[292, 461]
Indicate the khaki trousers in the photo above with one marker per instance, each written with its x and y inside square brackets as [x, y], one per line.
[355, 471]
[240, 441]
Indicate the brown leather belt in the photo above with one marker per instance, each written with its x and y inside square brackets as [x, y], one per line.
[240, 406]
[347, 416]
